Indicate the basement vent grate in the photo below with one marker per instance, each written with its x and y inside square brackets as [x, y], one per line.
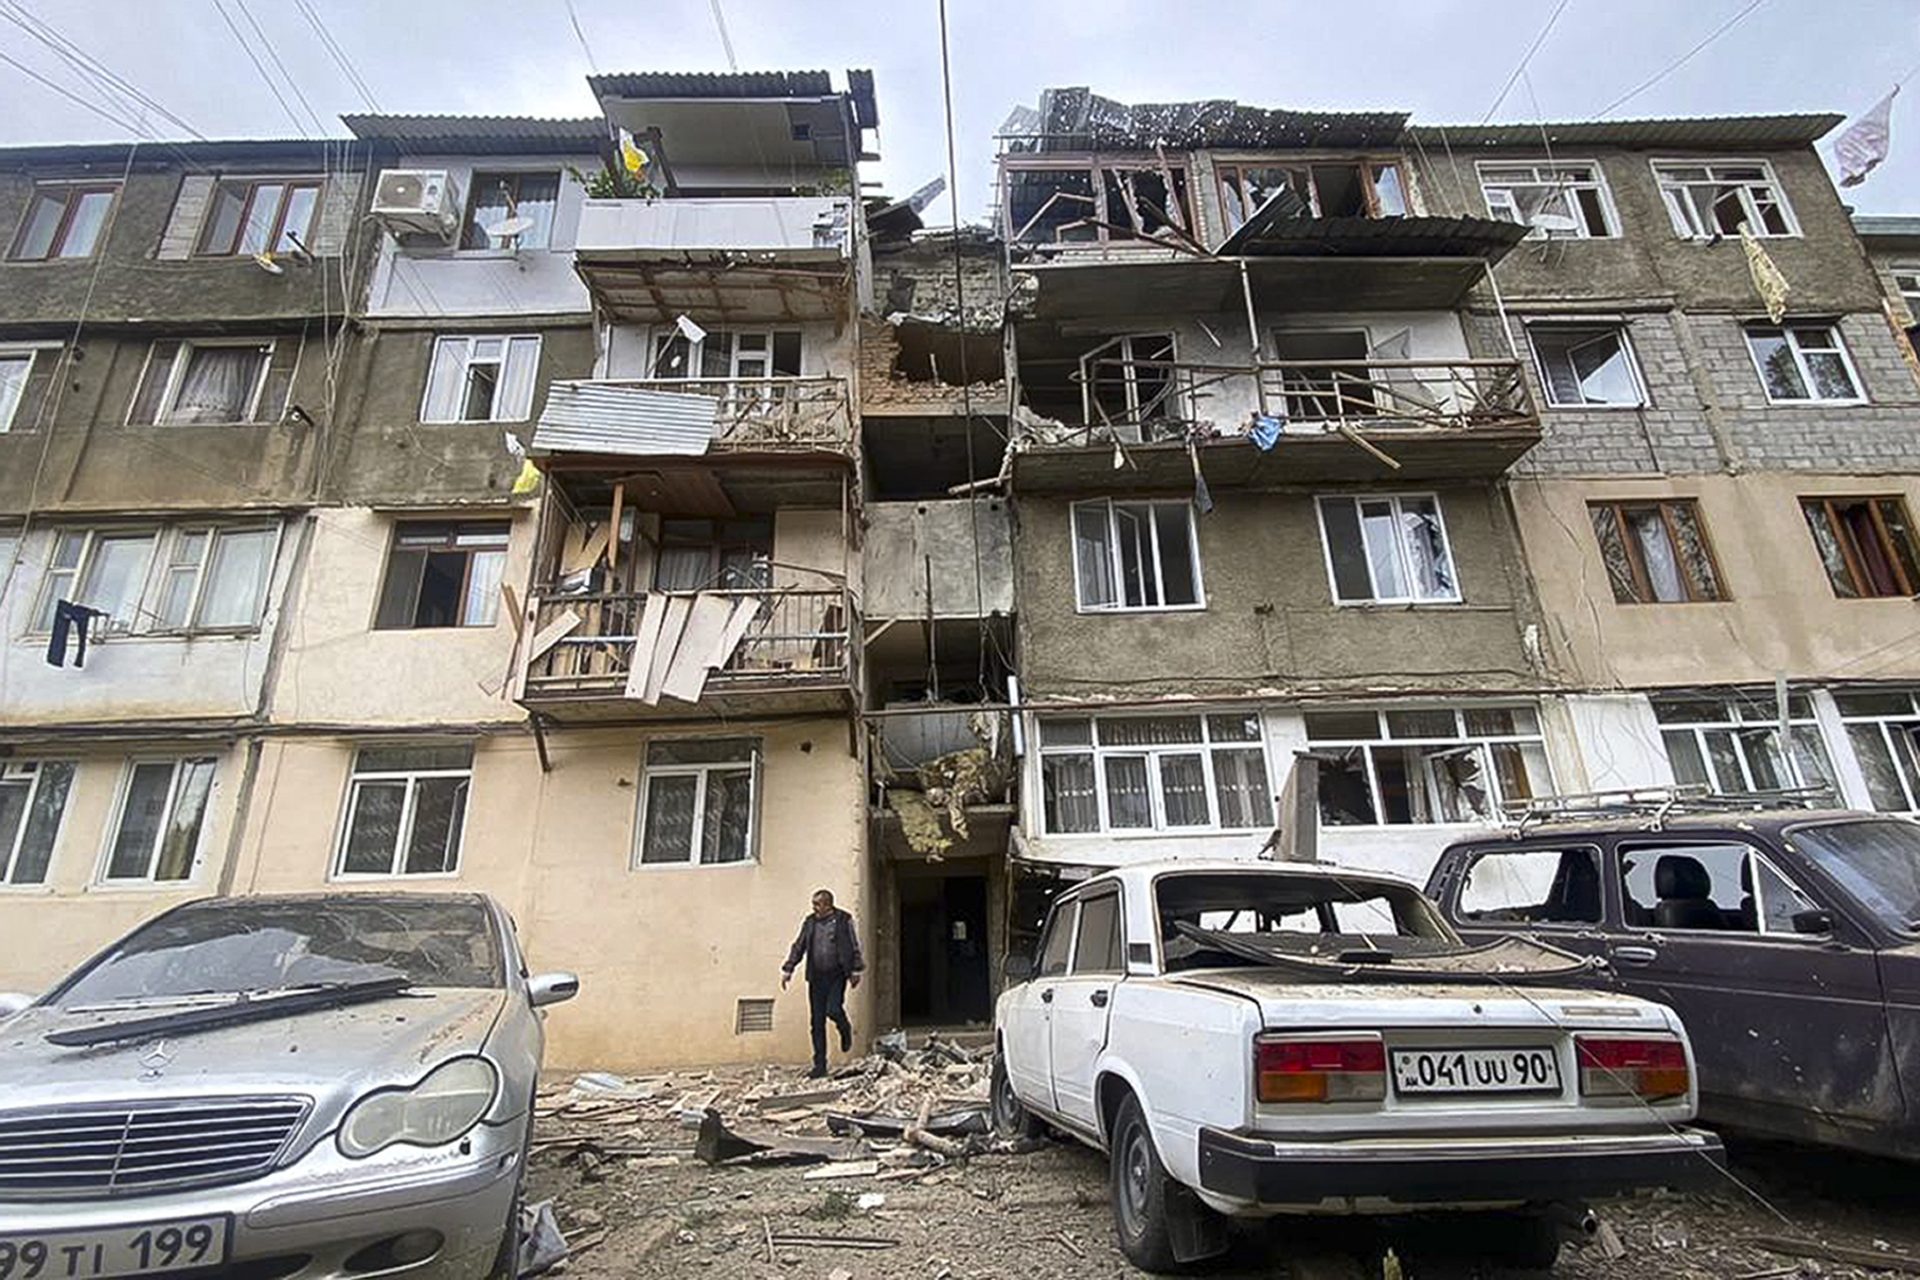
[752, 1015]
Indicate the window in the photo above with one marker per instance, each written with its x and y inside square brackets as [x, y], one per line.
[1426, 765]
[15, 368]
[202, 381]
[1655, 552]
[406, 809]
[1559, 201]
[1387, 550]
[499, 196]
[1907, 281]
[1154, 773]
[1726, 887]
[1135, 555]
[1058, 942]
[1804, 364]
[105, 569]
[1866, 544]
[1131, 379]
[1586, 366]
[1098, 949]
[63, 221]
[698, 802]
[158, 823]
[1085, 202]
[1532, 886]
[264, 215]
[1706, 200]
[709, 555]
[727, 354]
[1731, 745]
[208, 577]
[1332, 189]
[482, 379]
[443, 575]
[1884, 728]
[33, 798]
[1323, 373]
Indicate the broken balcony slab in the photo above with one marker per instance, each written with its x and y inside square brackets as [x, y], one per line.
[1133, 284]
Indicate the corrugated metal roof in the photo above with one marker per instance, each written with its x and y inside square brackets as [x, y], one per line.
[314, 152]
[707, 84]
[609, 417]
[1281, 236]
[1077, 119]
[1905, 227]
[1696, 131]
[483, 134]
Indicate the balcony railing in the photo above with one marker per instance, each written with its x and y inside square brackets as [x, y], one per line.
[796, 228]
[795, 638]
[766, 415]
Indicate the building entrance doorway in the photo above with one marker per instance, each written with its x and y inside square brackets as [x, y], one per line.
[944, 961]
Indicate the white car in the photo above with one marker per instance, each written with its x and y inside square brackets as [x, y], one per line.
[1250, 1039]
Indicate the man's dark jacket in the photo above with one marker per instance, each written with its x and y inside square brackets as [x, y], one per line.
[848, 959]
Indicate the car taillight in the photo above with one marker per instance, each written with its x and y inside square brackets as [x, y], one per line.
[1315, 1068]
[1636, 1066]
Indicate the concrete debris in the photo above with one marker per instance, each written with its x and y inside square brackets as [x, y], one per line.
[870, 1200]
[719, 1144]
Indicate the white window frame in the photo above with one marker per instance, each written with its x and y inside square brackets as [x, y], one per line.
[1113, 548]
[648, 772]
[76, 577]
[10, 408]
[182, 357]
[403, 830]
[171, 537]
[1744, 720]
[1399, 550]
[466, 363]
[1156, 787]
[660, 339]
[1597, 183]
[1680, 212]
[1481, 743]
[1620, 329]
[11, 772]
[1886, 724]
[153, 578]
[124, 792]
[1906, 283]
[1788, 330]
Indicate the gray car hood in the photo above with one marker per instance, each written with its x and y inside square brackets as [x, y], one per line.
[330, 1055]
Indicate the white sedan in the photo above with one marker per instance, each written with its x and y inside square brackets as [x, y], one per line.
[1249, 1039]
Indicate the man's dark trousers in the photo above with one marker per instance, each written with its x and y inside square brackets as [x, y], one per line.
[827, 999]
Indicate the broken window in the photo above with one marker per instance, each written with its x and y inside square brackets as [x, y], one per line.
[715, 555]
[1138, 202]
[1884, 728]
[1135, 555]
[697, 807]
[33, 797]
[1906, 279]
[1559, 201]
[1655, 552]
[498, 197]
[1166, 773]
[15, 369]
[1706, 200]
[1336, 189]
[1803, 364]
[1131, 386]
[1866, 544]
[1043, 205]
[443, 574]
[1532, 886]
[1324, 373]
[208, 380]
[482, 379]
[1725, 886]
[1387, 550]
[406, 811]
[1731, 745]
[1583, 366]
[158, 818]
[1065, 205]
[729, 355]
[1431, 765]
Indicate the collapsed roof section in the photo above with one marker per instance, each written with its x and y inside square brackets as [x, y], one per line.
[768, 119]
[1077, 119]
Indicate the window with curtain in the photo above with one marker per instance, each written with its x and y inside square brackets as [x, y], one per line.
[33, 798]
[406, 811]
[496, 197]
[475, 378]
[203, 381]
[1655, 552]
[1135, 555]
[1586, 366]
[158, 822]
[170, 578]
[1867, 545]
[443, 574]
[715, 555]
[698, 802]
[1154, 773]
[1389, 549]
[215, 579]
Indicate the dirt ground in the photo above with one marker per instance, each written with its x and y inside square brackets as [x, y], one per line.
[638, 1204]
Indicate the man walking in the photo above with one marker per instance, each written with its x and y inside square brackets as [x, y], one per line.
[832, 951]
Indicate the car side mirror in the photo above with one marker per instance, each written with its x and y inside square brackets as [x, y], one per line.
[1017, 969]
[12, 1002]
[552, 988]
[1814, 920]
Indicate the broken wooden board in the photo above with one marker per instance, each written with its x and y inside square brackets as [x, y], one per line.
[707, 619]
[831, 1242]
[718, 1144]
[843, 1169]
[781, 1101]
[586, 555]
[744, 613]
[673, 620]
[552, 634]
[640, 666]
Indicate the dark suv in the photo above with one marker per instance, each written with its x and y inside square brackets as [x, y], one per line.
[1788, 942]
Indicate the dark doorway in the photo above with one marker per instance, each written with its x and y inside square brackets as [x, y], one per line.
[943, 951]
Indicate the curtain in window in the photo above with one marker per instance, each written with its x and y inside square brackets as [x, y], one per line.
[482, 604]
[1129, 795]
[182, 836]
[1093, 553]
[668, 836]
[1183, 790]
[446, 381]
[1427, 551]
[1656, 552]
[140, 815]
[1069, 798]
[724, 835]
[1240, 787]
[513, 400]
[439, 807]
[375, 827]
[236, 579]
[115, 577]
[218, 385]
[683, 569]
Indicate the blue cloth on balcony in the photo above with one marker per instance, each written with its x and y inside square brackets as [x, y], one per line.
[1266, 430]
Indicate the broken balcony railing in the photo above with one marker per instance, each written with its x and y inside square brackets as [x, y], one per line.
[795, 637]
[754, 415]
[1138, 401]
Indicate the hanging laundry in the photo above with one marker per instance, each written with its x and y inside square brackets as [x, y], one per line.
[1767, 280]
[1266, 431]
[1202, 499]
[529, 478]
[70, 622]
[1863, 146]
[631, 156]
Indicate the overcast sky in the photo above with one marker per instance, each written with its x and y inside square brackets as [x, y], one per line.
[1443, 60]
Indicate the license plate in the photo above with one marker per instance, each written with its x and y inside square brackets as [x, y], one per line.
[148, 1250]
[1472, 1071]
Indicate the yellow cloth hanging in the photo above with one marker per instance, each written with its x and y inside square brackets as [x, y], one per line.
[528, 480]
[1767, 280]
[632, 156]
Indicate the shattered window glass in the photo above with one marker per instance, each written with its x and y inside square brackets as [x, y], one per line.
[1732, 745]
[1446, 777]
[1532, 886]
[1866, 544]
[1043, 203]
[1562, 201]
[1387, 550]
[1718, 199]
[1585, 365]
[1655, 552]
[1138, 203]
[1135, 555]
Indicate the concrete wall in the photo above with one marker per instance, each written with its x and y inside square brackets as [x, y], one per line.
[1270, 620]
[965, 547]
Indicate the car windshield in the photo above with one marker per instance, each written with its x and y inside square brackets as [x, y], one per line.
[260, 947]
[1877, 861]
[1307, 915]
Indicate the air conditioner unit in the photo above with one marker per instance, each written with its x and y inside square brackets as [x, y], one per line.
[418, 202]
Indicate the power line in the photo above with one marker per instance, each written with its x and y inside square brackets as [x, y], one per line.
[266, 42]
[1680, 61]
[60, 89]
[1525, 58]
[726, 41]
[247, 49]
[337, 52]
[574, 18]
[117, 89]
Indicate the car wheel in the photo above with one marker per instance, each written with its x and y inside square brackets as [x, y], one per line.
[1527, 1241]
[506, 1263]
[1011, 1119]
[1140, 1187]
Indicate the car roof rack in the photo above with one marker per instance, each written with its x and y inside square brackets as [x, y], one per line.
[1656, 804]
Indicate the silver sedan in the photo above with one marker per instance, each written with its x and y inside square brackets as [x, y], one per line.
[326, 1085]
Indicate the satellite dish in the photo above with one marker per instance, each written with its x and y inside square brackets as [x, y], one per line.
[265, 262]
[1551, 222]
[510, 229]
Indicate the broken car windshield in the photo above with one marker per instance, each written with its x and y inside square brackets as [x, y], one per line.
[269, 947]
[1876, 861]
[1315, 915]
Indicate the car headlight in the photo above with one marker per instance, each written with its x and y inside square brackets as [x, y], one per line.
[444, 1106]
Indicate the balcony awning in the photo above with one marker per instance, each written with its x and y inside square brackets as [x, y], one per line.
[596, 418]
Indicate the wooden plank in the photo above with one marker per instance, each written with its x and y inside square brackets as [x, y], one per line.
[640, 668]
[707, 621]
[512, 602]
[850, 1169]
[588, 554]
[744, 612]
[673, 620]
[551, 634]
[613, 524]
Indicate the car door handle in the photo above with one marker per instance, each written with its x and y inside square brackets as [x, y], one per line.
[1636, 955]
[1046, 995]
[1099, 999]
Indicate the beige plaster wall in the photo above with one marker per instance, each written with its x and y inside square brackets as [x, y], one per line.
[1781, 616]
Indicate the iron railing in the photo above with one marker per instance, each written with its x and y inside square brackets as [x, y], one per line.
[757, 415]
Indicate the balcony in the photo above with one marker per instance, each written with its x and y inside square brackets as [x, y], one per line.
[742, 259]
[943, 778]
[775, 651]
[681, 417]
[1336, 420]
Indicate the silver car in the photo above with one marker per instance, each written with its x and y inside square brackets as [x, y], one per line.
[328, 1085]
